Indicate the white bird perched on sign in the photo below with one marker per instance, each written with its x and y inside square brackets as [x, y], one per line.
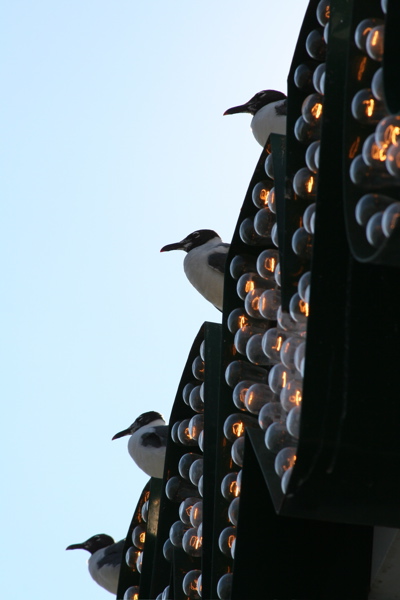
[269, 109]
[204, 264]
[105, 561]
[148, 442]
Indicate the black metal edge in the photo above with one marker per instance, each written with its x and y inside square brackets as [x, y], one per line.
[151, 537]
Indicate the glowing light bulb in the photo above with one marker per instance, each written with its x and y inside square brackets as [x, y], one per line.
[251, 281]
[257, 396]
[366, 108]
[387, 132]
[131, 557]
[261, 193]
[323, 12]
[291, 395]
[373, 154]
[198, 368]
[190, 583]
[235, 425]
[238, 318]
[230, 487]
[176, 533]
[279, 376]
[132, 593]
[285, 460]
[139, 536]
[393, 161]
[192, 543]
[288, 350]
[184, 435]
[375, 42]
[391, 219]
[303, 285]
[312, 108]
[305, 184]
[226, 539]
[299, 310]
[362, 30]
[196, 515]
[287, 324]
[239, 393]
[196, 425]
[239, 370]
[266, 263]
[252, 302]
[270, 301]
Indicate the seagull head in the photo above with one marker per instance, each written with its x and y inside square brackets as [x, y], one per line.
[193, 240]
[143, 420]
[256, 102]
[94, 543]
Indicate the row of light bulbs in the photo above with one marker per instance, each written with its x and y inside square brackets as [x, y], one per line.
[378, 164]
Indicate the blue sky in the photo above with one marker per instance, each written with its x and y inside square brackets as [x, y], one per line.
[113, 145]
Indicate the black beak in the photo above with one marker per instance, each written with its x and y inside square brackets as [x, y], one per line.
[76, 547]
[122, 433]
[177, 246]
[237, 109]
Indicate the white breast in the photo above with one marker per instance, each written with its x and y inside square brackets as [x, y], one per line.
[149, 459]
[266, 121]
[207, 281]
[107, 577]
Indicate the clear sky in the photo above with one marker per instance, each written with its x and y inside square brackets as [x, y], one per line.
[113, 145]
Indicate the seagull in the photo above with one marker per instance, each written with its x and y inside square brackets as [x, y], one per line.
[204, 264]
[105, 561]
[148, 442]
[269, 109]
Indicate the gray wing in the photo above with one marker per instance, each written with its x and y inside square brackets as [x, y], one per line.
[113, 555]
[217, 259]
[156, 438]
[281, 109]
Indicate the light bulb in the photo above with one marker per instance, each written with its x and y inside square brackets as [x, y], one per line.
[198, 368]
[303, 76]
[139, 536]
[264, 220]
[391, 219]
[132, 593]
[315, 45]
[299, 356]
[375, 42]
[252, 302]
[196, 401]
[291, 395]
[269, 166]
[299, 310]
[254, 351]
[387, 132]
[237, 451]
[272, 342]
[270, 301]
[366, 108]
[201, 440]
[239, 370]
[230, 487]
[293, 421]
[248, 234]
[186, 462]
[362, 31]
[241, 264]
[312, 156]
[305, 184]
[176, 533]
[131, 557]
[278, 437]
[233, 511]
[168, 550]
[368, 205]
[224, 587]
[285, 460]
[373, 154]
[178, 489]
[274, 235]
[279, 376]
[288, 350]
[256, 396]
[196, 515]
[192, 543]
[271, 413]
[319, 79]
[139, 562]
[184, 434]
[323, 11]
[235, 425]
[306, 133]
[190, 583]
[185, 509]
[377, 87]
[285, 480]
[145, 511]
[277, 275]
[239, 393]
[374, 233]
[196, 424]
[393, 161]
[225, 540]
[196, 471]
[287, 324]
[251, 281]
[261, 192]
[242, 337]
[302, 243]
[186, 391]
[304, 283]
[266, 263]
[312, 108]
[238, 318]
